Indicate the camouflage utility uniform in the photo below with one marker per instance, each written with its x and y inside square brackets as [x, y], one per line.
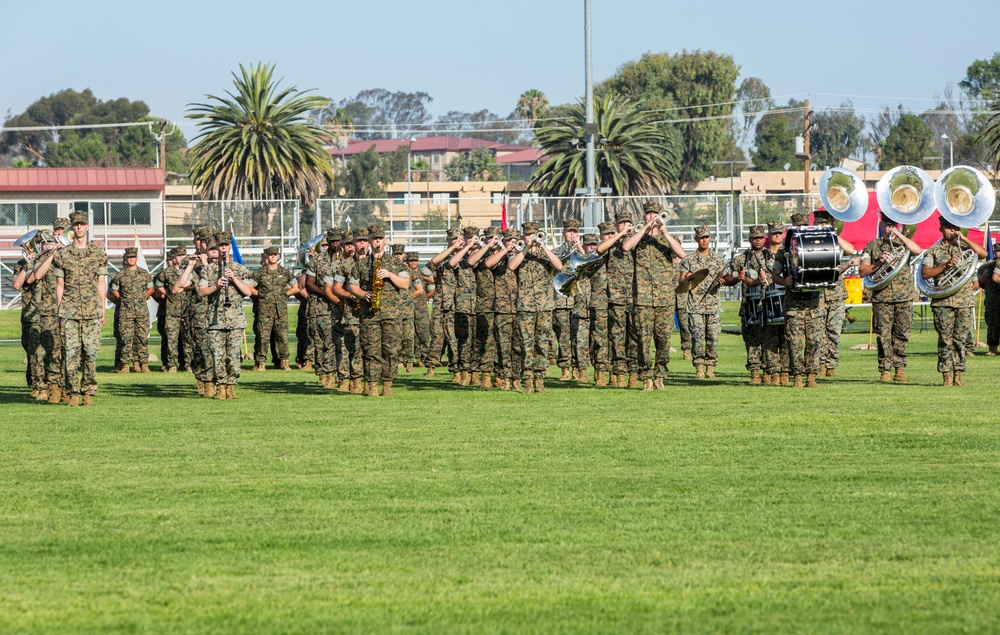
[952, 315]
[892, 309]
[380, 332]
[704, 308]
[225, 322]
[80, 312]
[753, 334]
[270, 324]
[534, 311]
[803, 324]
[132, 316]
[176, 345]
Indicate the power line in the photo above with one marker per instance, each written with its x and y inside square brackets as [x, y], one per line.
[77, 127]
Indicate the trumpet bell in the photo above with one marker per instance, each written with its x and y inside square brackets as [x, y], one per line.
[965, 197]
[906, 194]
[843, 194]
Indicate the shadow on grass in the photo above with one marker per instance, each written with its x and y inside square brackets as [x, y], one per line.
[148, 390]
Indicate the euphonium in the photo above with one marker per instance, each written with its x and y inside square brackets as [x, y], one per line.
[897, 261]
[377, 284]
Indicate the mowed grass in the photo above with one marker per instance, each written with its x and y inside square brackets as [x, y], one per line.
[708, 507]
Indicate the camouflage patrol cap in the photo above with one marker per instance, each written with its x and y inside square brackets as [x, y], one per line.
[607, 227]
[179, 250]
[470, 231]
[60, 223]
[702, 231]
[571, 225]
[454, 232]
[511, 233]
[131, 252]
[348, 236]
[360, 235]
[775, 227]
[822, 214]
[652, 207]
[204, 232]
[490, 232]
[272, 251]
[376, 231]
[529, 227]
[333, 235]
[223, 238]
[799, 219]
[758, 231]
[398, 249]
[412, 256]
[591, 239]
[78, 218]
[623, 216]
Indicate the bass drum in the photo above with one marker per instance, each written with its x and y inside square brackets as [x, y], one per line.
[815, 257]
[774, 304]
[753, 307]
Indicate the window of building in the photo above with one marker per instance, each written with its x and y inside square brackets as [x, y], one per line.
[28, 214]
[120, 213]
[443, 198]
[435, 159]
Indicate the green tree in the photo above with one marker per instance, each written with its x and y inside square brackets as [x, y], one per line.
[483, 124]
[694, 90]
[834, 135]
[477, 165]
[380, 114]
[775, 146]
[364, 176]
[754, 101]
[257, 143]
[982, 79]
[633, 154]
[908, 143]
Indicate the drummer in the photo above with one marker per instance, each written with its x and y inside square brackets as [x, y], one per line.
[775, 364]
[803, 315]
[752, 270]
[834, 303]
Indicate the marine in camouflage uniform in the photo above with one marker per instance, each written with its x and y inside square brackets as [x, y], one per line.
[752, 270]
[892, 305]
[417, 350]
[535, 266]
[45, 303]
[81, 271]
[274, 284]
[350, 366]
[580, 318]
[31, 337]
[654, 250]
[505, 332]
[226, 322]
[803, 319]
[485, 353]
[620, 275]
[562, 312]
[175, 351]
[197, 308]
[319, 314]
[600, 345]
[952, 314]
[834, 304]
[380, 334]
[989, 282]
[465, 305]
[444, 305]
[703, 303]
[130, 288]
[774, 347]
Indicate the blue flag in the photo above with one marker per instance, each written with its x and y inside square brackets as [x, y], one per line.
[989, 244]
[236, 250]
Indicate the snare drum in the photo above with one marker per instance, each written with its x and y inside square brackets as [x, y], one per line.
[774, 304]
[815, 257]
[753, 308]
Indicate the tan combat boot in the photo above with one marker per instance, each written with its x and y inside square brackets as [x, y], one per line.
[504, 385]
[567, 375]
[687, 355]
[822, 370]
[409, 367]
[958, 378]
[487, 381]
[810, 381]
[797, 382]
[475, 378]
[658, 384]
[992, 352]
[307, 366]
[539, 385]
[430, 372]
[600, 378]
[34, 393]
[371, 389]
[947, 379]
[783, 379]
[345, 385]
[145, 368]
[88, 400]
[900, 375]
[767, 379]
[516, 385]
[387, 389]
[755, 378]
[42, 394]
[885, 377]
[221, 392]
[209, 389]
[618, 380]
[456, 377]
[259, 367]
[284, 365]
[230, 391]
[529, 385]
[463, 378]
[699, 372]
[647, 384]
[710, 372]
[356, 388]
[831, 372]
[633, 380]
[123, 370]
[74, 401]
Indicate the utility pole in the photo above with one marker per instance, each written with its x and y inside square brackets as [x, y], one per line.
[805, 183]
[589, 219]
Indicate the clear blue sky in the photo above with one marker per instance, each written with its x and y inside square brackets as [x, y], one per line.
[473, 55]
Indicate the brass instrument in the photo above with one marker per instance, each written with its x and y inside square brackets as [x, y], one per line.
[565, 283]
[377, 284]
[843, 194]
[906, 195]
[897, 261]
[519, 244]
[28, 244]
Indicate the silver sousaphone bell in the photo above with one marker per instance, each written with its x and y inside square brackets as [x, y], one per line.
[843, 194]
[906, 194]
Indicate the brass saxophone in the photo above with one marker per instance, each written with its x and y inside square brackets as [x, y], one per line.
[377, 284]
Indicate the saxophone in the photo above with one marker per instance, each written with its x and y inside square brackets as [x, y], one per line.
[377, 284]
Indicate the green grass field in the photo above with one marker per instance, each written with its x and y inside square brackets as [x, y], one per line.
[707, 507]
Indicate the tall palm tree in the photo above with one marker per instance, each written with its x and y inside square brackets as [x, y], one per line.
[633, 155]
[258, 143]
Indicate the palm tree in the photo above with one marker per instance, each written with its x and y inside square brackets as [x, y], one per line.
[633, 154]
[259, 143]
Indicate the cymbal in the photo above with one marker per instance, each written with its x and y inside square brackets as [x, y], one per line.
[692, 281]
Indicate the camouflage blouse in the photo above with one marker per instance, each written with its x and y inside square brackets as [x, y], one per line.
[80, 270]
[132, 284]
[900, 288]
[938, 254]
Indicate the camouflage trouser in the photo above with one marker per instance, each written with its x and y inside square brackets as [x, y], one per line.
[653, 326]
[422, 332]
[970, 343]
[436, 343]
[580, 329]
[508, 344]
[753, 339]
[31, 342]
[225, 355]
[833, 318]
[204, 369]
[270, 329]
[303, 350]
[186, 349]
[600, 349]
[321, 336]
[953, 326]
[619, 336]
[350, 363]
[562, 328]
[705, 331]
[892, 323]
[465, 333]
[992, 312]
[52, 345]
[486, 343]
[133, 339]
[804, 330]
[170, 345]
[408, 335]
[445, 336]
[380, 343]
[685, 329]
[774, 348]
[82, 340]
[535, 330]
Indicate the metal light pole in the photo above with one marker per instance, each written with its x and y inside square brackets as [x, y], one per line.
[589, 219]
[409, 193]
[951, 150]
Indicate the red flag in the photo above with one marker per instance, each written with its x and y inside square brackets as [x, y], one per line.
[503, 212]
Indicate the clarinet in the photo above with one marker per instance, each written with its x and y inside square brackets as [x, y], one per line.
[224, 261]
